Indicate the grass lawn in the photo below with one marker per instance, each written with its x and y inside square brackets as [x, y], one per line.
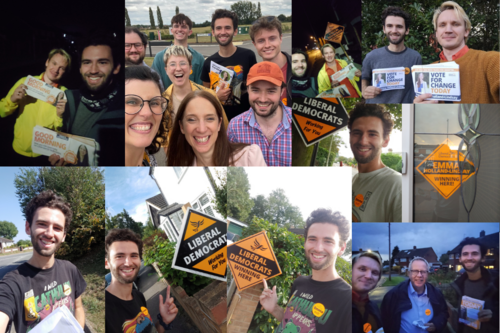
[149, 61]
[16, 252]
[395, 280]
[92, 268]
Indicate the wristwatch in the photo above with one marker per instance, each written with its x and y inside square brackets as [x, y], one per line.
[162, 323]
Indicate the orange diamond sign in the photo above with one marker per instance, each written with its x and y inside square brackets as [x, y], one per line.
[334, 32]
[442, 169]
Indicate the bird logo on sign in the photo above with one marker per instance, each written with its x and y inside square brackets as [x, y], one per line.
[257, 246]
[197, 225]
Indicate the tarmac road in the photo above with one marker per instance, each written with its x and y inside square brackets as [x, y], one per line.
[10, 262]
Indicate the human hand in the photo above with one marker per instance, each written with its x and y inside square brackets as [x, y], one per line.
[484, 315]
[56, 160]
[357, 73]
[430, 327]
[223, 94]
[268, 298]
[335, 83]
[60, 107]
[19, 93]
[168, 310]
[371, 92]
[422, 99]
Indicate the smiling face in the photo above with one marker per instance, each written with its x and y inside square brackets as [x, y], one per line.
[367, 139]
[299, 65]
[421, 76]
[134, 55]
[97, 67]
[418, 280]
[200, 124]
[181, 32]
[224, 31]
[178, 70]
[124, 261]
[365, 275]
[141, 128]
[451, 30]
[82, 150]
[470, 257]
[395, 30]
[379, 76]
[268, 44]
[329, 54]
[264, 97]
[55, 67]
[47, 230]
[323, 245]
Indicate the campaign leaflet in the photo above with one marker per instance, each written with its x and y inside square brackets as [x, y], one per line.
[389, 78]
[441, 80]
[469, 309]
[43, 91]
[337, 92]
[61, 320]
[74, 149]
[346, 72]
[220, 76]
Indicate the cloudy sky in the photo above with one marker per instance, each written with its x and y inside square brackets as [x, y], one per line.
[198, 11]
[442, 237]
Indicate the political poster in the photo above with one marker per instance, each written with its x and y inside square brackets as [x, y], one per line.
[346, 72]
[202, 246]
[220, 76]
[442, 80]
[43, 91]
[334, 32]
[389, 78]
[251, 260]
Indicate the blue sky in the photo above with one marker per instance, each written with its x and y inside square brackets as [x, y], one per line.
[442, 237]
[128, 188]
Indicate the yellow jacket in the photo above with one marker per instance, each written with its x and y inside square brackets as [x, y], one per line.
[32, 112]
[324, 81]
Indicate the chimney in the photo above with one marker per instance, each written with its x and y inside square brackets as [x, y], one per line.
[414, 247]
[482, 233]
[360, 250]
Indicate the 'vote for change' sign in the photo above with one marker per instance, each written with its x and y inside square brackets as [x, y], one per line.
[251, 260]
[317, 118]
[202, 246]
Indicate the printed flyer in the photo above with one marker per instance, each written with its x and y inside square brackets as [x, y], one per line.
[441, 80]
[220, 76]
[389, 78]
[337, 92]
[346, 72]
[469, 309]
[43, 91]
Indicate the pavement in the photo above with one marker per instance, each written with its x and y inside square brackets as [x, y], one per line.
[10, 262]
[377, 294]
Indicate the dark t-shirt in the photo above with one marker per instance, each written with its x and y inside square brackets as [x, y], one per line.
[29, 294]
[474, 289]
[240, 62]
[127, 316]
[317, 307]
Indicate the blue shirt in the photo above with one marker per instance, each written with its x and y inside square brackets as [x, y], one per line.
[421, 308]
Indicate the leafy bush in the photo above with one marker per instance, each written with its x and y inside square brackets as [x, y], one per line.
[392, 160]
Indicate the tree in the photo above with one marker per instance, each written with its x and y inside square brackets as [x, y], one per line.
[124, 220]
[239, 203]
[149, 229]
[244, 11]
[282, 18]
[444, 259]
[8, 230]
[220, 197]
[392, 161]
[260, 207]
[282, 212]
[160, 20]
[395, 252]
[259, 12]
[127, 19]
[152, 19]
[176, 10]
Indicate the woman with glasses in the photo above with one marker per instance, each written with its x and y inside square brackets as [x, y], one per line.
[145, 126]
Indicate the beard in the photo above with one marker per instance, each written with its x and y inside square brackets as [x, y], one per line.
[367, 159]
[229, 40]
[270, 113]
[298, 75]
[139, 61]
[398, 41]
[44, 253]
[320, 266]
[474, 268]
[115, 272]
[99, 88]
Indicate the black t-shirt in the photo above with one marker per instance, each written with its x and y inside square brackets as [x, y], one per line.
[317, 307]
[127, 316]
[29, 294]
[240, 62]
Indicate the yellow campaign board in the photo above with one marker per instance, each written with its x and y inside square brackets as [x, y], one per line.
[202, 246]
[251, 260]
[442, 169]
[334, 32]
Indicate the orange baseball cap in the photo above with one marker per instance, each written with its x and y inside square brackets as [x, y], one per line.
[265, 71]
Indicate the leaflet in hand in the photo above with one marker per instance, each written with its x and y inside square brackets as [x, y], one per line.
[469, 309]
[220, 76]
[337, 92]
[74, 149]
[43, 91]
[441, 80]
[389, 78]
[346, 72]
[61, 320]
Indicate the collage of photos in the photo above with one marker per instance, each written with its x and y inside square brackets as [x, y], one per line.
[238, 170]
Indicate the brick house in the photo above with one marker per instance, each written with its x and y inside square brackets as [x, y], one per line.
[491, 261]
[4, 242]
[404, 257]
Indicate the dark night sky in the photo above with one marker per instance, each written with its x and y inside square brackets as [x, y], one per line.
[442, 237]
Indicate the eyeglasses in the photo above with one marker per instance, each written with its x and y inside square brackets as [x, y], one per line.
[174, 64]
[138, 46]
[134, 104]
[415, 273]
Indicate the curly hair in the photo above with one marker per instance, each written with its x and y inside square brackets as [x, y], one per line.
[299, 51]
[122, 235]
[51, 200]
[472, 241]
[323, 215]
[224, 13]
[396, 11]
[361, 109]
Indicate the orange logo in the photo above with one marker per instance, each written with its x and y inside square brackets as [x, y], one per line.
[358, 200]
[367, 328]
[284, 100]
[70, 157]
[407, 70]
[428, 312]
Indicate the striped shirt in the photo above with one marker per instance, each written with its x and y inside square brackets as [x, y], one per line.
[245, 128]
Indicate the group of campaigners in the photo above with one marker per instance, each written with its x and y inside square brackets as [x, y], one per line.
[175, 116]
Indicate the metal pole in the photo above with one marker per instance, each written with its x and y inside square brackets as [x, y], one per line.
[390, 251]
[313, 158]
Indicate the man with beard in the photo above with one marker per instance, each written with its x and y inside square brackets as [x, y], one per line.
[478, 283]
[366, 272]
[268, 123]
[126, 307]
[414, 303]
[376, 189]
[33, 112]
[396, 25]
[96, 110]
[36, 288]
[135, 49]
[237, 59]
[319, 302]
[302, 85]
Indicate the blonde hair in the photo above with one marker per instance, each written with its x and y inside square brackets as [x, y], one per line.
[63, 53]
[459, 11]
[177, 50]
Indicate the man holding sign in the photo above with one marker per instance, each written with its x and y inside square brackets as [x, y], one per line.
[324, 293]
